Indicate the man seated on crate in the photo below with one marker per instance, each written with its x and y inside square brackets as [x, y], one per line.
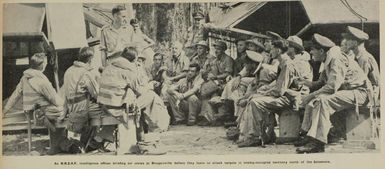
[80, 90]
[342, 85]
[38, 95]
[215, 75]
[183, 96]
[283, 95]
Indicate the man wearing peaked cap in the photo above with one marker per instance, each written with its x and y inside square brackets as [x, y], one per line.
[339, 91]
[354, 41]
[196, 32]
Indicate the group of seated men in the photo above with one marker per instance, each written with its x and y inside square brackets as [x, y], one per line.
[264, 79]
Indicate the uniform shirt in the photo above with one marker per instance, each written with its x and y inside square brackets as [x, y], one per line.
[177, 65]
[239, 62]
[201, 60]
[369, 65]
[221, 65]
[194, 35]
[35, 89]
[184, 85]
[139, 39]
[114, 40]
[115, 80]
[339, 72]
[82, 76]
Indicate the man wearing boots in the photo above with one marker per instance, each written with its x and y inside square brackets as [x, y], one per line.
[80, 91]
[256, 117]
[184, 98]
[343, 85]
[218, 70]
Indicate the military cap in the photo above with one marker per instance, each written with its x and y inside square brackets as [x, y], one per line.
[295, 42]
[198, 15]
[202, 43]
[220, 44]
[256, 42]
[254, 56]
[140, 56]
[354, 33]
[322, 41]
[273, 35]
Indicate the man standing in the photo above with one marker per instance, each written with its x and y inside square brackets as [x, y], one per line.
[38, 95]
[142, 43]
[183, 96]
[218, 70]
[196, 32]
[343, 86]
[115, 37]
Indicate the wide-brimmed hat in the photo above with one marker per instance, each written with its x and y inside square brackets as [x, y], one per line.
[254, 56]
[202, 43]
[222, 45]
[295, 42]
[354, 33]
[256, 42]
[273, 35]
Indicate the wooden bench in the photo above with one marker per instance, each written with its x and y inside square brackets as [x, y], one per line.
[19, 120]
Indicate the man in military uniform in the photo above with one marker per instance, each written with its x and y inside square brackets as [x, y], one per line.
[184, 98]
[116, 36]
[196, 32]
[342, 86]
[156, 71]
[38, 95]
[80, 90]
[202, 54]
[142, 43]
[240, 61]
[355, 41]
[256, 117]
[218, 70]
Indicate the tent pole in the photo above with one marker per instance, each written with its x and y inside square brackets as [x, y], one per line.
[55, 66]
[304, 29]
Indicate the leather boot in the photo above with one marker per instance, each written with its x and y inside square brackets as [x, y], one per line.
[313, 146]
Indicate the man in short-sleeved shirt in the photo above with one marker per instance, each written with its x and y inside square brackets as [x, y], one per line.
[116, 36]
[183, 96]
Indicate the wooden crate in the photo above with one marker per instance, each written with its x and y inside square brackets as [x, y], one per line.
[289, 126]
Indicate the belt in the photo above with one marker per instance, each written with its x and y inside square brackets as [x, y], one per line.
[77, 99]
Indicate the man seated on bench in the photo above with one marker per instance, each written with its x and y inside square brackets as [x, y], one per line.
[342, 85]
[256, 116]
[80, 90]
[38, 95]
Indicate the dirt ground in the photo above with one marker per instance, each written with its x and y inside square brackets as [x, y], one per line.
[179, 140]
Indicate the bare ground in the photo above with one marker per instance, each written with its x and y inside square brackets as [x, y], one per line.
[179, 140]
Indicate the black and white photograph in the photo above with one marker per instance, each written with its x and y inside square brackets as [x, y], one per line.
[191, 78]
